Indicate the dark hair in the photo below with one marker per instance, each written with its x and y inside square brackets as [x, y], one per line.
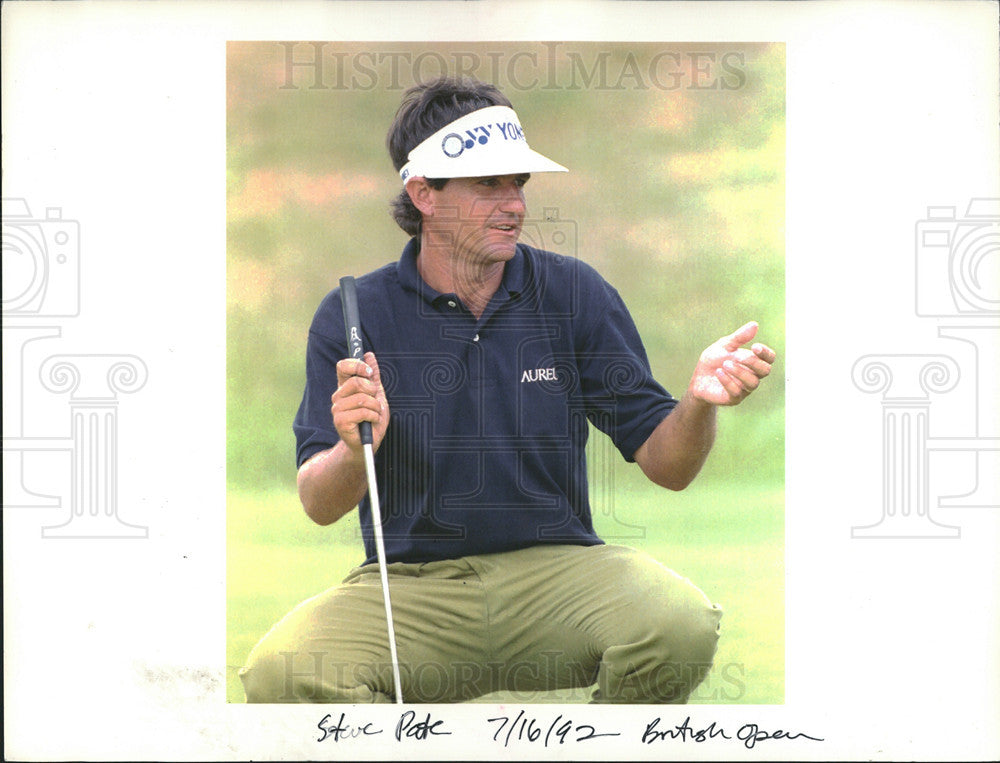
[425, 109]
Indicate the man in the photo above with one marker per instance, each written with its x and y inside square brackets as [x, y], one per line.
[489, 357]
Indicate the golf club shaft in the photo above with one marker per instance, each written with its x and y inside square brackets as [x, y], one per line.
[380, 552]
[352, 325]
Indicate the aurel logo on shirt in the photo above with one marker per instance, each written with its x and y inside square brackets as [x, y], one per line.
[539, 374]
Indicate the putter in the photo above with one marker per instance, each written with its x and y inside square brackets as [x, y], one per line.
[352, 325]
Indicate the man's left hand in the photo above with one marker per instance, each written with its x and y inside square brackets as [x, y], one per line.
[727, 372]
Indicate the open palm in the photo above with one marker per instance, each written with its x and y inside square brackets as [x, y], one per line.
[727, 372]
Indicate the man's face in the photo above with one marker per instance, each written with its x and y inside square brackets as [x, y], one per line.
[482, 216]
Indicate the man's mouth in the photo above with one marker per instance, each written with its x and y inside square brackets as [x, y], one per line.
[506, 227]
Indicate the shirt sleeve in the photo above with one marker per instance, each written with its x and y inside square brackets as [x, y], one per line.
[622, 398]
[313, 425]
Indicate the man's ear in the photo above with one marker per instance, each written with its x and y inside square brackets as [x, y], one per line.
[421, 195]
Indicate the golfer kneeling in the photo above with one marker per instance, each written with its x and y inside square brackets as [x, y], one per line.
[488, 358]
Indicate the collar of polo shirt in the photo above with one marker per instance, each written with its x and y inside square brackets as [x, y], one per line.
[484, 143]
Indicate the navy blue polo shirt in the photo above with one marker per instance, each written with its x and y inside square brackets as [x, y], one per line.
[488, 418]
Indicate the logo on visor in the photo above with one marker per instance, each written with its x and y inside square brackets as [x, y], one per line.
[454, 144]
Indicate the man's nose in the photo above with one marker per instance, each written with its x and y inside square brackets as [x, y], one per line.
[512, 199]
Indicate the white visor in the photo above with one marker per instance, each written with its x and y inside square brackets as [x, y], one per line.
[485, 143]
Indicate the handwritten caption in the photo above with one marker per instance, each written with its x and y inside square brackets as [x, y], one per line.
[547, 730]
[408, 727]
[749, 734]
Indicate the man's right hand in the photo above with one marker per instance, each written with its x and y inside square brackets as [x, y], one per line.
[359, 397]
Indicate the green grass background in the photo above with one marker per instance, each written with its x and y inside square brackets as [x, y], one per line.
[675, 195]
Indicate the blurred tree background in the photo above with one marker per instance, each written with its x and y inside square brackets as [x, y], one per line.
[675, 194]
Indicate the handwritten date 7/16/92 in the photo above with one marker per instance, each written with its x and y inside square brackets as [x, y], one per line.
[527, 729]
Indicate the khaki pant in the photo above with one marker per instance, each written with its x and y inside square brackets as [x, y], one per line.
[538, 619]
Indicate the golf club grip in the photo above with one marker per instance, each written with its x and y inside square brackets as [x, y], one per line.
[352, 327]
